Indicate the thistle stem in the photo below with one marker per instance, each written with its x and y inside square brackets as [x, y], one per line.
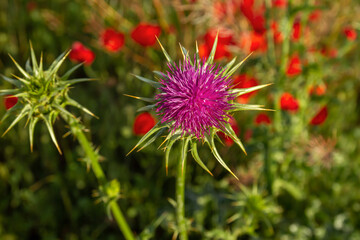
[76, 129]
[180, 192]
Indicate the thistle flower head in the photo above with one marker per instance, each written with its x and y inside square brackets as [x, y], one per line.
[195, 98]
[43, 94]
[195, 101]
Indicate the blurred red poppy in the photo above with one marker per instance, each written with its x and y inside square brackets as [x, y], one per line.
[253, 41]
[350, 33]
[279, 3]
[227, 140]
[296, 33]
[225, 39]
[145, 34]
[143, 123]
[255, 17]
[262, 118]
[80, 53]
[278, 37]
[314, 16]
[288, 102]
[318, 90]
[294, 67]
[245, 81]
[112, 40]
[10, 101]
[320, 117]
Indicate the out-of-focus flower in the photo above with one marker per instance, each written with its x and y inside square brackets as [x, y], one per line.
[10, 101]
[248, 135]
[145, 34]
[294, 67]
[296, 33]
[31, 6]
[245, 81]
[227, 140]
[112, 40]
[143, 123]
[278, 37]
[255, 17]
[288, 102]
[225, 39]
[329, 52]
[314, 15]
[320, 117]
[350, 33]
[262, 118]
[80, 53]
[318, 90]
[253, 41]
[279, 3]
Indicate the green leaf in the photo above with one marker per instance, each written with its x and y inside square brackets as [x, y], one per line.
[32, 125]
[230, 132]
[151, 140]
[71, 102]
[156, 128]
[241, 91]
[146, 80]
[210, 141]
[11, 111]
[54, 68]
[5, 92]
[247, 107]
[77, 80]
[26, 75]
[69, 72]
[184, 149]
[185, 53]
[146, 108]
[196, 157]
[168, 147]
[51, 131]
[231, 72]
[33, 60]
[28, 67]
[141, 98]
[197, 55]
[168, 58]
[15, 82]
[22, 114]
[227, 67]
[160, 74]
[213, 50]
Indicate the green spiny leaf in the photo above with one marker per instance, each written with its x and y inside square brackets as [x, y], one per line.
[185, 53]
[73, 103]
[5, 92]
[69, 72]
[184, 150]
[213, 51]
[33, 60]
[196, 157]
[51, 131]
[77, 80]
[230, 132]
[32, 125]
[15, 82]
[11, 111]
[146, 108]
[168, 58]
[231, 72]
[151, 140]
[247, 107]
[168, 147]
[22, 114]
[28, 67]
[26, 75]
[146, 80]
[241, 91]
[160, 74]
[53, 70]
[141, 98]
[227, 67]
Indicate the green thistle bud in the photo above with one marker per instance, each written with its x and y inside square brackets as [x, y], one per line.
[43, 95]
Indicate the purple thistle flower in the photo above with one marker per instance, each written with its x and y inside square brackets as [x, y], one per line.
[194, 98]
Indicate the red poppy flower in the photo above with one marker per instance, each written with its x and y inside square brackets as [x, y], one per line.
[253, 41]
[329, 52]
[318, 90]
[350, 33]
[227, 140]
[288, 102]
[314, 16]
[262, 118]
[280, 3]
[320, 117]
[278, 37]
[143, 123]
[294, 67]
[80, 53]
[244, 81]
[296, 34]
[145, 34]
[112, 40]
[225, 39]
[10, 101]
[248, 135]
[255, 17]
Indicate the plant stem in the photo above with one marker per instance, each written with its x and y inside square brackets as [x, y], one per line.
[93, 156]
[180, 191]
